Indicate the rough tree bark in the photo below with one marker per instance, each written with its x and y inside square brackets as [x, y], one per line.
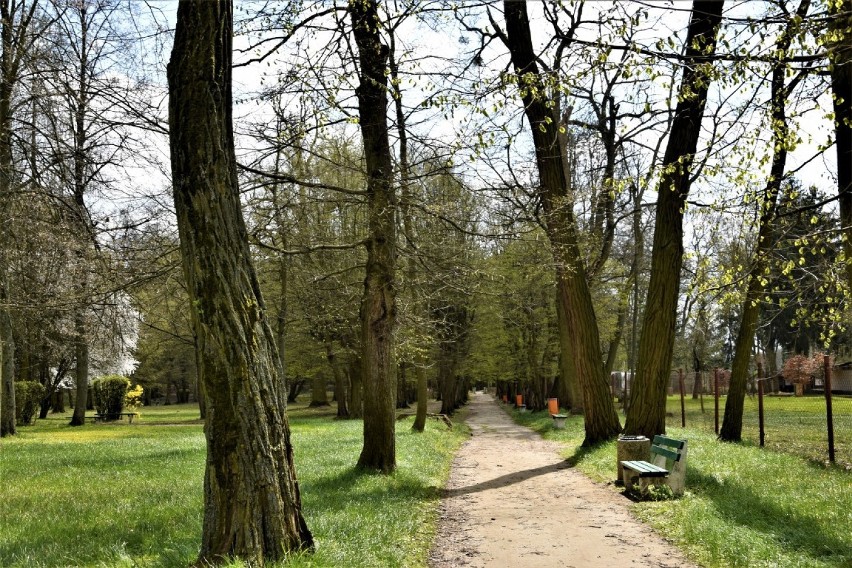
[646, 413]
[601, 420]
[422, 403]
[81, 372]
[319, 394]
[732, 425]
[341, 394]
[378, 306]
[356, 389]
[570, 394]
[252, 508]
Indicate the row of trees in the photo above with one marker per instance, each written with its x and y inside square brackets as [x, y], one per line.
[398, 214]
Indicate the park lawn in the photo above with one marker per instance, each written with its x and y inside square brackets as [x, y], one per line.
[113, 495]
[743, 506]
[792, 424]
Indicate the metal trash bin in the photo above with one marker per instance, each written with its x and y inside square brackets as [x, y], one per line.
[631, 448]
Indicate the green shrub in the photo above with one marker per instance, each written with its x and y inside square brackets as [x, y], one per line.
[108, 392]
[28, 395]
[133, 398]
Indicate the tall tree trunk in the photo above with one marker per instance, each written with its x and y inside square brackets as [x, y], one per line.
[81, 373]
[402, 386]
[732, 425]
[422, 399]
[319, 395]
[356, 389]
[408, 228]
[646, 413]
[278, 205]
[447, 379]
[252, 508]
[14, 26]
[378, 307]
[601, 420]
[82, 222]
[57, 403]
[623, 308]
[294, 388]
[840, 56]
[569, 392]
[341, 395]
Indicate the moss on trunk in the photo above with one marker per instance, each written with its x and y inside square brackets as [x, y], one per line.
[252, 508]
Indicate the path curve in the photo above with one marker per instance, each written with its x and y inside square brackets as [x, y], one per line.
[513, 501]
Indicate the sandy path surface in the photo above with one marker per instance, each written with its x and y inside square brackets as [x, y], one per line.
[513, 501]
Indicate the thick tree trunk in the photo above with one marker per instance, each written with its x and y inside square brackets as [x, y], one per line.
[447, 382]
[601, 420]
[569, 393]
[402, 386]
[341, 394]
[732, 425]
[356, 391]
[378, 307]
[319, 396]
[422, 401]
[81, 373]
[646, 413]
[44, 407]
[58, 402]
[252, 508]
[294, 389]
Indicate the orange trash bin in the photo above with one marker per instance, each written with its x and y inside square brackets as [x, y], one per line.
[553, 405]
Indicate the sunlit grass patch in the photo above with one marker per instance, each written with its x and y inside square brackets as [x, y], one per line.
[107, 495]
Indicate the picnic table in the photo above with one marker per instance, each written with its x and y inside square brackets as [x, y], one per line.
[116, 416]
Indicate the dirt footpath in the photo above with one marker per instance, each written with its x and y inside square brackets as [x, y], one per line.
[513, 501]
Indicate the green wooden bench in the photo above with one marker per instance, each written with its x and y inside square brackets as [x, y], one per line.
[667, 466]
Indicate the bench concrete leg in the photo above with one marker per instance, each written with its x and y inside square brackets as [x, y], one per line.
[646, 482]
[629, 477]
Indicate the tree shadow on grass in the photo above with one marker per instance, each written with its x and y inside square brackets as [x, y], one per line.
[580, 454]
[745, 508]
[355, 483]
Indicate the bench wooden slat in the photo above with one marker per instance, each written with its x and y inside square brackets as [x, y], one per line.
[671, 442]
[645, 469]
[665, 452]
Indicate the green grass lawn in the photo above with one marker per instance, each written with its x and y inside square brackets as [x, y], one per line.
[113, 495]
[792, 424]
[744, 506]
